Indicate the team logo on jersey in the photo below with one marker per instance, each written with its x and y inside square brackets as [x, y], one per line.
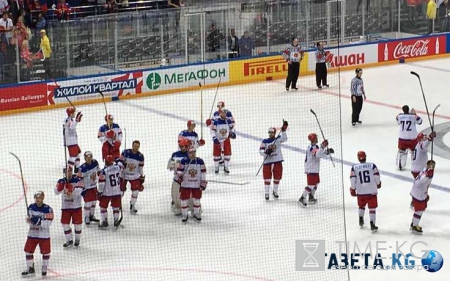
[223, 132]
[192, 173]
[131, 167]
[273, 146]
[93, 176]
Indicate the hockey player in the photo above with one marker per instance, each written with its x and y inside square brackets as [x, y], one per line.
[192, 178]
[88, 175]
[133, 172]
[109, 191]
[419, 156]
[70, 188]
[365, 182]
[270, 148]
[71, 138]
[312, 167]
[173, 165]
[407, 134]
[419, 194]
[40, 217]
[216, 116]
[110, 135]
[221, 132]
[191, 135]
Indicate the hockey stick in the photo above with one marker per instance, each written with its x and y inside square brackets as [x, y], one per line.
[23, 182]
[423, 94]
[65, 152]
[267, 155]
[215, 96]
[201, 110]
[321, 131]
[125, 137]
[432, 129]
[230, 183]
[119, 221]
[59, 87]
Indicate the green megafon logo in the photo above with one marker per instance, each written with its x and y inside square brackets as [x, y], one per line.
[153, 81]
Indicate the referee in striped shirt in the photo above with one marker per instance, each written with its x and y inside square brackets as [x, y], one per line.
[357, 91]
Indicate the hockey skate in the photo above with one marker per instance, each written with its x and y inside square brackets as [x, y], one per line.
[184, 219]
[312, 200]
[77, 243]
[216, 170]
[68, 244]
[302, 201]
[416, 230]
[197, 218]
[116, 223]
[44, 270]
[103, 225]
[92, 218]
[361, 222]
[373, 227]
[29, 271]
[267, 196]
[275, 194]
[225, 169]
[133, 209]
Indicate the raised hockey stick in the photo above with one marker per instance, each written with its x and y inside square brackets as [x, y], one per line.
[23, 182]
[65, 151]
[432, 129]
[267, 155]
[321, 131]
[59, 87]
[215, 96]
[104, 103]
[423, 94]
[201, 110]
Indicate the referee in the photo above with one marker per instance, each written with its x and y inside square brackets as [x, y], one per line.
[293, 55]
[357, 91]
[321, 67]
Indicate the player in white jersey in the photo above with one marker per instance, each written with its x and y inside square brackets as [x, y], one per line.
[312, 167]
[70, 189]
[270, 148]
[192, 178]
[88, 175]
[109, 191]
[419, 194]
[216, 116]
[191, 135]
[365, 182]
[133, 172]
[407, 134]
[40, 217]
[221, 132]
[420, 154]
[110, 135]
[71, 137]
[173, 165]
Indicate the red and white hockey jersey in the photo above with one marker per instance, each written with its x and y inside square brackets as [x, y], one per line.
[133, 164]
[312, 159]
[420, 156]
[365, 178]
[70, 131]
[104, 129]
[45, 212]
[191, 172]
[109, 181]
[88, 174]
[420, 186]
[276, 155]
[221, 129]
[73, 200]
[407, 126]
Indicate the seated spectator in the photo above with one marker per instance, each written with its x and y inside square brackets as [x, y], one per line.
[63, 10]
[246, 45]
[111, 6]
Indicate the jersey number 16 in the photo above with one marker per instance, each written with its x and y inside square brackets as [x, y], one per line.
[364, 177]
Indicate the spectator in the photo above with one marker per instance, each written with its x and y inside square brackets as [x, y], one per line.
[46, 50]
[6, 29]
[233, 44]
[21, 32]
[246, 45]
[4, 6]
[27, 19]
[63, 10]
[442, 12]
[431, 15]
[26, 62]
[360, 3]
[213, 39]
[412, 9]
[177, 4]
[111, 7]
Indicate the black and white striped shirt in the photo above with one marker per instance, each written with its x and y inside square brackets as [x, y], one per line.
[357, 87]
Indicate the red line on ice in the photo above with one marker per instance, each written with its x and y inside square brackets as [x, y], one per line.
[21, 197]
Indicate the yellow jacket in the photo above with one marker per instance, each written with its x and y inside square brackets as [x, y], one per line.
[431, 10]
[45, 47]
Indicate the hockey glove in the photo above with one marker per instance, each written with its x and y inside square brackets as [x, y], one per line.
[117, 145]
[324, 143]
[78, 118]
[285, 126]
[142, 179]
[430, 173]
[203, 185]
[432, 136]
[353, 192]
[329, 151]
[216, 141]
[83, 193]
[110, 134]
[232, 135]
[35, 220]
[208, 122]
[69, 188]
[99, 195]
[201, 142]
[268, 151]
[379, 185]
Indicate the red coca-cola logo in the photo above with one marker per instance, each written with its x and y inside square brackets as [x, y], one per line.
[419, 48]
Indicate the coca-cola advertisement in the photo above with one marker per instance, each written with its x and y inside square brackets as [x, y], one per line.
[411, 48]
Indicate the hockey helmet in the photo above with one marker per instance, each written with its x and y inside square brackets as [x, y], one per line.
[312, 137]
[361, 156]
[221, 104]
[109, 160]
[39, 194]
[184, 143]
[109, 117]
[70, 111]
[190, 123]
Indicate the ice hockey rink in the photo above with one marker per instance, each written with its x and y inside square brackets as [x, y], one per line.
[241, 236]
